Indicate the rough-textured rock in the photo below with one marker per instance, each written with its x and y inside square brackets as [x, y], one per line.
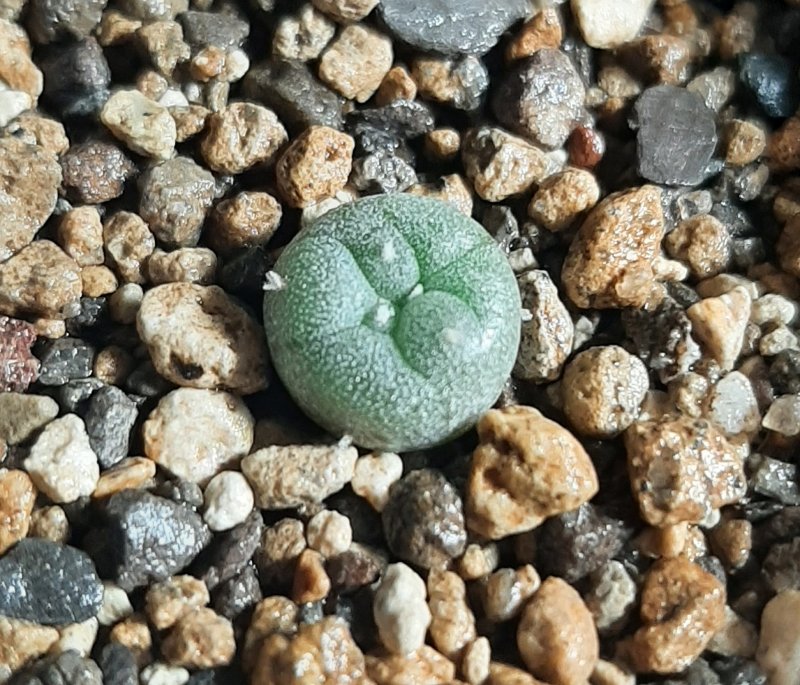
[64, 360]
[118, 665]
[248, 219]
[220, 29]
[186, 264]
[719, 324]
[67, 666]
[109, 421]
[50, 20]
[703, 243]
[356, 61]
[200, 639]
[611, 596]
[453, 623]
[77, 77]
[459, 83]
[128, 243]
[564, 197]
[304, 35]
[22, 415]
[228, 499]
[772, 81]
[506, 591]
[18, 367]
[230, 551]
[17, 496]
[95, 171]
[142, 124]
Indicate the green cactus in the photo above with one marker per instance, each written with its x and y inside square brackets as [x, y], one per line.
[394, 319]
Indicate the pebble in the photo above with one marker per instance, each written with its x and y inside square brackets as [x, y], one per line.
[676, 136]
[541, 99]
[12, 104]
[66, 667]
[611, 266]
[64, 360]
[149, 538]
[116, 605]
[716, 87]
[77, 637]
[719, 324]
[141, 124]
[543, 30]
[443, 144]
[17, 69]
[562, 198]
[195, 433]
[425, 665]
[702, 242]
[240, 137]
[61, 462]
[779, 641]
[198, 337]
[772, 81]
[311, 582]
[556, 636]
[21, 642]
[396, 85]
[36, 129]
[303, 35]
[356, 61]
[782, 415]
[453, 189]
[76, 78]
[548, 335]
[476, 660]
[774, 308]
[134, 634]
[50, 523]
[234, 597]
[346, 11]
[602, 390]
[460, 83]
[22, 415]
[281, 545]
[248, 219]
[505, 592]
[500, 165]
[128, 243]
[709, 474]
[373, 476]
[18, 367]
[682, 607]
[774, 479]
[109, 418]
[175, 197]
[131, 473]
[200, 639]
[329, 533]
[98, 281]
[17, 497]
[525, 469]
[158, 673]
[451, 26]
[48, 583]
[95, 172]
[611, 596]
[228, 500]
[745, 142]
[780, 568]
[733, 406]
[29, 178]
[80, 234]
[778, 340]
[118, 665]
[296, 475]
[163, 42]
[315, 166]
[452, 625]
[605, 24]
[382, 172]
[423, 521]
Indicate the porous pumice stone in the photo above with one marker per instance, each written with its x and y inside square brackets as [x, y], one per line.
[394, 320]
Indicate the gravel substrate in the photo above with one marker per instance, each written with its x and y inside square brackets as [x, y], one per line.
[628, 512]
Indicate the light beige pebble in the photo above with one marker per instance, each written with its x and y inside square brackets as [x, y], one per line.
[141, 124]
[21, 415]
[400, 611]
[779, 641]
[452, 189]
[200, 638]
[777, 340]
[184, 265]
[732, 541]
[374, 475]
[22, 641]
[128, 244]
[329, 533]
[443, 144]
[241, 136]
[124, 303]
[314, 212]
[610, 673]
[130, 473]
[207, 63]
[116, 605]
[724, 283]
[196, 433]
[476, 660]
[703, 243]
[189, 120]
[607, 24]
[228, 500]
[17, 497]
[556, 635]
[774, 308]
[689, 394]
[506, 591]
[346, 10]
[80, 234]
[294, 475]
[78, 637]
[501, 165]
[611, 597]
[681, 469]
[36, 129]
[525, 469]
[158, 673]
[733, 406]
[452, 625]
[564, 197]
[151, 84]
[50, 523]
[199, 337]
[543, 30]
[311, 582]
[303, 35]
[783, 415]
[164, 44]
[50, 328]
[61, 462]
[281, 545]
[248, 219]
[719, 324]
[315, 166]
[737, 637]
[396, 85]
[744, 142]
[275, 614]
[98, 280]
[356, 61]
[17, 69]
[478, 561]
[603, 388]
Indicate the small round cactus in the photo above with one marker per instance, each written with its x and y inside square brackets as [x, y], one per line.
[393, 319]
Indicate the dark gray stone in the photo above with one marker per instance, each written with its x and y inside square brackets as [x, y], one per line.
[92, 319]
[50, 20]
[230, 551]
[781, 566]
[298, 98]
[67, 668]
[238, 594]
[784, 372]
[76, 78]
[147, 382]
[423, 521]
[181, 492]
[389, 128]
[227, 675]
[48, 583]
[382, 172]
[224, 31]
[451, 26]
[774, 478]
[783, 526]
[772, 80]
[65, 359]
[739, 671]
[118, 665]
[153, 10]
[472, 79]
[243, 274]
[149, 538]
[676, 135]
[73, 395]
[109, 421]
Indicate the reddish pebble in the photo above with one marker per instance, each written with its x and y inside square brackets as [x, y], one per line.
[18, 367]
[586, 147]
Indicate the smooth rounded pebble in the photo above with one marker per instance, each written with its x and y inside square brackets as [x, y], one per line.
[228, 500]
[400, 610]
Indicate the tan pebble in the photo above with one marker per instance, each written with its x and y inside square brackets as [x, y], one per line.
[128, 243]
[506, 591]
[503, 674]
[17, 496]
[452, 625]
[703, 243]
[207, 63]
[563, 197]
[735, 33]
[241, 136]
[184, 265]
[667, 541]
[719, 324]
[501, 165]
[98, 280]
[450, 80]
[355, 63]
[329, 533]
[731, 542]
[189, 120]
[21, 642]
[443, 144]
[610, 673]
[452, 189]
[315, 166]
[116, 27]
[80, 234]
[374, 474]
[609, 263]
[37, 129]
[745, 142]
[425, 665]
[248, 219]
[542, 31]
[525, 469]
[476, 660]
[681, 469]
[200, 639]
[134, 634]
[724, 283]
[787, 200]
[281, 545]
[17, 69]
[396, 85]
[169, 600]
[682, 606]
[660, 58]
[311, 582]
[124, 303]
[130, 473]
[112, 365]
[271, 615]
[779, 640]
[50, 523]
[142, 124]
[788, 247]
[345, 10]
[163, 42]
[478, 561]
[556, 635]
[783, 146]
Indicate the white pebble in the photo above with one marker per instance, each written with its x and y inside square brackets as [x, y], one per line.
[78, 637]
[778, 340]
[228, 500]
[773, 308]
[400, 610]
[610, 23]
[236, 65]
[374, 475]
[62, 463]
[116, 605]
[124, 303]
[162, 674]
[779, 644]
[733, 405]
[783, 416]
[329, 533]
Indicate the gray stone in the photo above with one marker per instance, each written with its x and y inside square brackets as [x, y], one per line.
[451, 26]
[237, 594]
[739, 671]
[48, 583]
[50, 20]
[382, 172]
[67, 668]
[76, 78]
[118, 665]
[65, 359]
[213, 28]
[781, 566]
[109, 422]
[676, 135]
[72, 395]
[230, 551]
[775, 479]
